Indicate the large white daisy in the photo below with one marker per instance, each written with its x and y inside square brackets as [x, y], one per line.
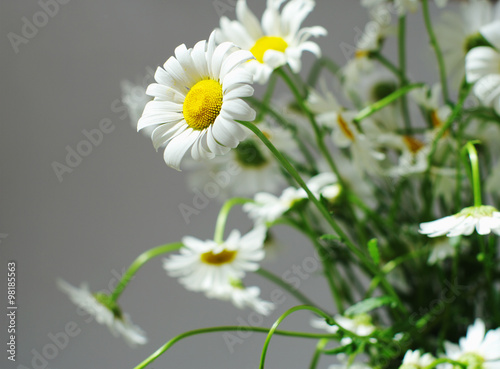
[197, 100]
[484, 219]
[105, 312]
[478, 349]
[211, 267]
[277, 40]
[483, 67]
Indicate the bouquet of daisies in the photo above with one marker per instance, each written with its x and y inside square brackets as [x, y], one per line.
[393, 181]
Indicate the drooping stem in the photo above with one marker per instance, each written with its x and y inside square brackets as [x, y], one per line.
[281, 318]
[476, 177]
[437, 50]
[195, 332]
[220, 226]
[139, 262]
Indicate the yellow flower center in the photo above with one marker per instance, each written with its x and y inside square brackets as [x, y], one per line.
[223, 257]
[413, 144]
[267, 43]
[202, 104]
[344, 126]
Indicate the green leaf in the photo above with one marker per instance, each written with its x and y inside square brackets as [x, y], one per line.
[330, 237]
[370, 304]
[373, 249]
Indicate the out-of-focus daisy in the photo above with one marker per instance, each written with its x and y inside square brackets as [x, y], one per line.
[197, 101]
[402, 6]
[478, 349]
[211, 267]
[415, 360]
[105, 311]
[482, 66]
[413, 158]
[345, 134]
[277, 41]
[360, 325]
[443, 248]
[134, 98]
[243, 297]
[459, 32]
[326, 185]
[484, 219]
[267, 208]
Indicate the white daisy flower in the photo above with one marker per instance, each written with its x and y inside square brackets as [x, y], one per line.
[482, 66]
[478, 349]
[197, 101]
[414, 154]
[459, 32]
[211, 267]
[325, 184]
[360, 325]
[277, 41]
[415, 360]
[105, 312]
[443, 248]
[345, 134]
[243, 297]
[485, 219]
[267, 208]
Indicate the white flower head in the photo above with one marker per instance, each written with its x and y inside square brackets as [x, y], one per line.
[243, 297]
[443, 248]
[360, 325]
[197, 100]
[275, 41]
[326, 185]
[482, 65]
[413, 158]
[415, 360]
[478, 349]
[484, 219]
[267, 207]
[211, 267]
[105, 312]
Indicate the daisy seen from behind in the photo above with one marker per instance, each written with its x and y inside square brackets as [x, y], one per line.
[197, 100]
[276, 40]
[105, 311]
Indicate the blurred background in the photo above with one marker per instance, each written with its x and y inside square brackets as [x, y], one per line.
[90, 223]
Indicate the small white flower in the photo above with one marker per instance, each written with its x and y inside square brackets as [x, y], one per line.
[360, 325]
[413, 157]
[105, 312]
[197, 101]
[485, 219]
[243, 297]
[478, 349]
[267, 207]
[482, 66]
[277, 41]
[211, 267]
[442, 249]
[415, 360]
[325, 184]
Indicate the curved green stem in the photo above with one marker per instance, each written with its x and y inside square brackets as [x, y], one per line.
[220, 226]
[437, 50]
[476, 177]
[290, 169]
[290, 289]
[139, 262]
[281, 318]
[195, 332]
[369, 110]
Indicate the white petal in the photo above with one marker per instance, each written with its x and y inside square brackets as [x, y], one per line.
[248, 20]
[178, 146]
[491, 32]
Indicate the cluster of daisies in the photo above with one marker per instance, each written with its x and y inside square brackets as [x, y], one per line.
[202, 101]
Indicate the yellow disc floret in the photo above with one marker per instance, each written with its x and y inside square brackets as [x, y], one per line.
[267, 43]
[202, 104]
[223, 257]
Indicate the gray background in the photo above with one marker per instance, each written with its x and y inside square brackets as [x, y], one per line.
[122, 199]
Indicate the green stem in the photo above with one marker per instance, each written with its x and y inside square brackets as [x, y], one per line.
[437, 50]
[317, 354]
[271, 85]
[369, 110]
[445, 360]
[139, 262]
[195, 332]
[402, 70]
[476, 177]
[290, 289]
[281, 318]
[386, 63]
[350, 245]
[223, 214]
